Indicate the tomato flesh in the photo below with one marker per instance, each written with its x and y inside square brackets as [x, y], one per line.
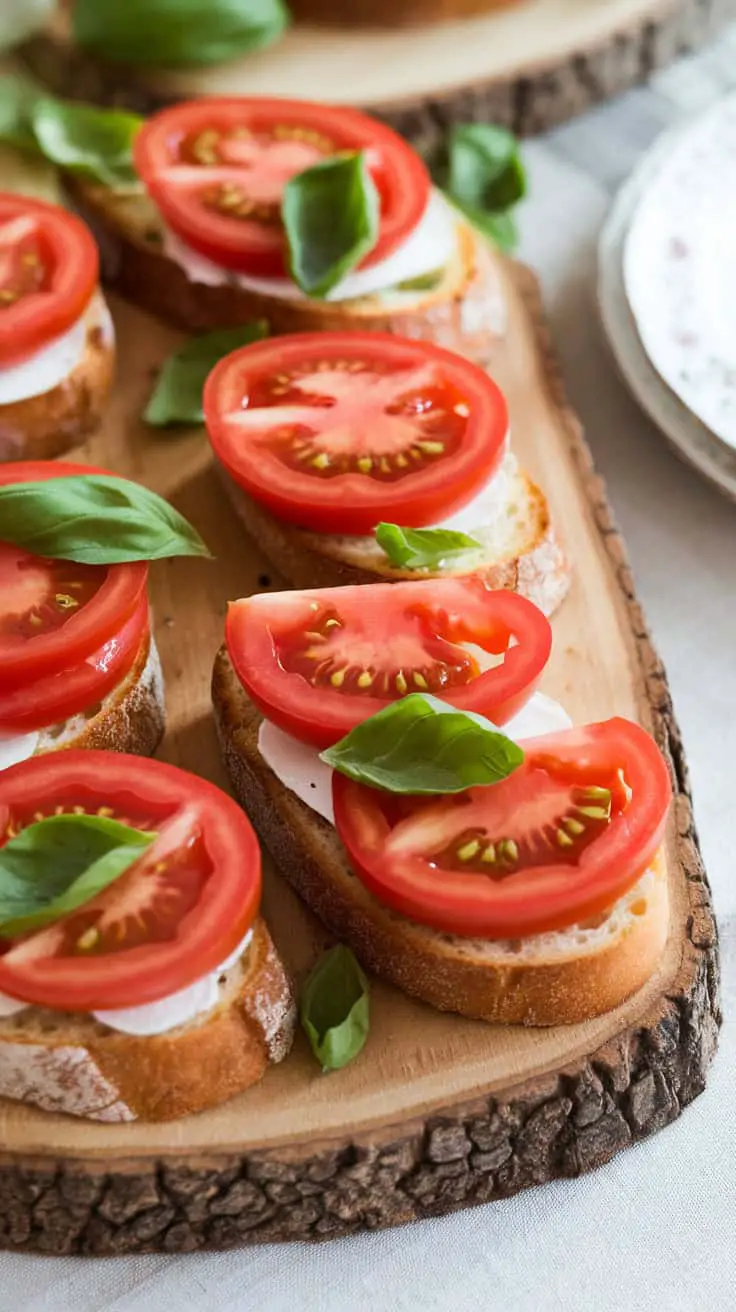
[318, 663]
[557, 842]
[49, 269]
[172, 917]
[335, 432]
[217, 169]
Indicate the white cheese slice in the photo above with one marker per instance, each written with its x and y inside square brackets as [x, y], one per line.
[298, 767]
[17, 747]
[45, 369]
[429, 247]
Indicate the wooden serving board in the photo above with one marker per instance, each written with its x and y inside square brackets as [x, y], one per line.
[528, 66]
[438, 1111]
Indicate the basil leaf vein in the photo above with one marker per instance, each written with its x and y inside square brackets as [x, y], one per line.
[423, 548]
[177, 32]
[177, 396]
[331, 215]
[96, 519]
[334, 1008]
[58, 864]
[421, 745]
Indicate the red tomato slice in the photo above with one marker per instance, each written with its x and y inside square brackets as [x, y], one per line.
[173, 917]
[49, 268]
[336, 432]
[557, 842]
[58, 697]
[318, 663]
[55, 614]
[217, 171]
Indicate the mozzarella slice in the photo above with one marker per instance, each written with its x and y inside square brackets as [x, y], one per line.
[16, 747]
[44, 370]
[429, 247]
[298, 767]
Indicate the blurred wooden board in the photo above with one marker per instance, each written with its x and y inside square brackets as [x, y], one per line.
[438, 1111]
[529, 65]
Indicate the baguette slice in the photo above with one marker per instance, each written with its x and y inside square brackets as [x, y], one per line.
[130, 719]
[550, 979]
[42, 427]
[520, 548]
[465, 313]
[65, 1062]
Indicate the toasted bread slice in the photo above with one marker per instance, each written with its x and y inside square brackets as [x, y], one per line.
[130, 719]
[68, 1062]
[549, 979]
[44, 426]
[464, 313]
[520, 548]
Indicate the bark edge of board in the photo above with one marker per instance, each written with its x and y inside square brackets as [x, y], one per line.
[527, 100]
[557, 1126]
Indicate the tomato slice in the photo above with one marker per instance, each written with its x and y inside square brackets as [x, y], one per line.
[54, 614]
[60, 696]
[217, 170]
[335, 432]
[557, 842]
[318, 663]
[173, 917]
[49, 268]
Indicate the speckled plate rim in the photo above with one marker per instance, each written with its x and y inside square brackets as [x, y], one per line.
[692, 440]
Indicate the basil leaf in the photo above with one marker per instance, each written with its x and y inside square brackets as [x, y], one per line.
[177, 396]
[334, 1008]
[423, 548]
[96, 143]
[501, 229]
[420, 745]
[58, 864]
[424, 282]
[18, 95]
[97, 519]
[485, 171]
[331, 214]
[177, 32]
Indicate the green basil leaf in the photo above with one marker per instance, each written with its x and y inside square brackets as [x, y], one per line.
[331, 214]
[424, 282]
[501, 229]
[177, 32]
[423, 548]
[485, 170]
[18, 96]
[96, 143]
[421, 745]
[97, 519]
[334, 1008]
[177, 396]
[58, 864]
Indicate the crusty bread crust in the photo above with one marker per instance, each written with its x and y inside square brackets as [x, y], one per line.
[132, 717]
[538, 570]
[42, 427]
[464, 314]
[76, 1065]
[453, 974]
[389, 13]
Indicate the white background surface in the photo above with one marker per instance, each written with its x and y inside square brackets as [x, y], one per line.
[655, 1231]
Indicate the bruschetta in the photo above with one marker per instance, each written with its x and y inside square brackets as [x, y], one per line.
[137, 978]
[512, 874]
[323, 437]
[57, 343]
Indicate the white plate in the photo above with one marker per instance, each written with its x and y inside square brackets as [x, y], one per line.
[679, 267]
[691, 438]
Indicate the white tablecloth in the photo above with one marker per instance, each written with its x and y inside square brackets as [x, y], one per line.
[655, 1230]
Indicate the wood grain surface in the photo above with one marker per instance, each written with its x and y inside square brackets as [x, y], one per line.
[438, 1111]
[528, 66]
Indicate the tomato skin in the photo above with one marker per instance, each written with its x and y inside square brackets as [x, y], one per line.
[69, 692]
[533, 900]
[458, 610]
[255, 247]
[134, 787]
[354, 502]
[72, 263]
[84, 632]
